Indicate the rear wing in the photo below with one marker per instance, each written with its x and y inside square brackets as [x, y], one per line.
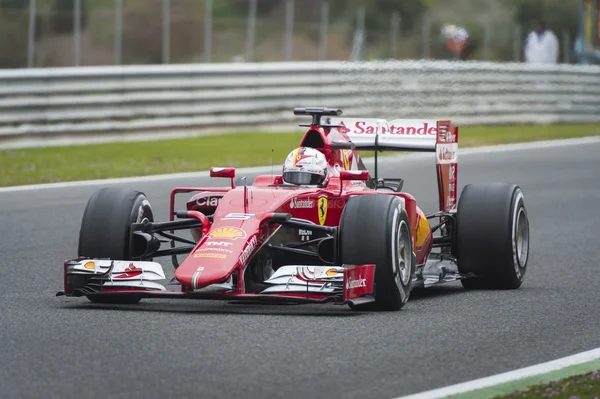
[381, 135]
[424, 135]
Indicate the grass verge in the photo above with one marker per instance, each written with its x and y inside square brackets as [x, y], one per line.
[576, 387]
[99, 161]
[572, 382]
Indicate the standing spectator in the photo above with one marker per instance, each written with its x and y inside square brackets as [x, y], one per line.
[458, 42]
[541, 46]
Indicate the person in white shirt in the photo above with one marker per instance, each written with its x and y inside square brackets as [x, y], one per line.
[541, 46]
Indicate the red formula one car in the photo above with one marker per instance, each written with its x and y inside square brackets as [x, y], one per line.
[357, 240]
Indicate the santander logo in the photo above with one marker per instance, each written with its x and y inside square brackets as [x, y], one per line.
[362, 127]
[302, 203]
[248, 250]
[356, 283]
[447, 155]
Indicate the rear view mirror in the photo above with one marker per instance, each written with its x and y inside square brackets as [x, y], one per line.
[223, 172]
[354, 175]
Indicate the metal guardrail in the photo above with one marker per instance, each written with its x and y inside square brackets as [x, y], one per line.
[40, 107]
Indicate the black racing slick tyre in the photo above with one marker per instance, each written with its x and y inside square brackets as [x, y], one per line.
[374, 229]
[492, 236]
[106, 228]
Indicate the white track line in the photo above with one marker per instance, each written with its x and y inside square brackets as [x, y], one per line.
[510, 376]
[266, 169]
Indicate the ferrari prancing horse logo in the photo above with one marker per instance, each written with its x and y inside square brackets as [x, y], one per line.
[322, 208]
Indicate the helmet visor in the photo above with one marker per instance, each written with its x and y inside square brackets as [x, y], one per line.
[303, 178]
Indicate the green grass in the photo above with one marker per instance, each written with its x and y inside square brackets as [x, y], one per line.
[59, 164]
[575, 387]
[575, 381]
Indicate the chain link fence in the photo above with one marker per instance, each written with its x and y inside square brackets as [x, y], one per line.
[58, 33]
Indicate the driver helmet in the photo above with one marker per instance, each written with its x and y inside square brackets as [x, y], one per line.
[305, 166]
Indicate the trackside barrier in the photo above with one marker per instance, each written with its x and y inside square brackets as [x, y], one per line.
[40, 107]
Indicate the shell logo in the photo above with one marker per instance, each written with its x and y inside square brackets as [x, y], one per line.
[332, 272]
[90, 265]
[227, 232]
[423, 230]
[346, 160]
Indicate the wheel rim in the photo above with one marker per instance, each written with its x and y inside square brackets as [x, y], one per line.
[522, 237]
[404, 254]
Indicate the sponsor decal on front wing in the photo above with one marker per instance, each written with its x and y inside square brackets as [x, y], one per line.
[248, 250]
[129, 272]
[90, 265]
[218, 243]
[356, 283]
[120, 269]
[209, 255]
[214, 249]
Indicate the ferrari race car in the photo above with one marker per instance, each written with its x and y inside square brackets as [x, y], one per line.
[357, 240]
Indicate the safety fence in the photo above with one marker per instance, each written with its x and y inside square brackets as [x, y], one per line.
[40, 107]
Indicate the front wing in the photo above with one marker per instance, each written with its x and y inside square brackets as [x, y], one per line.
[353, 284]
[96, 278]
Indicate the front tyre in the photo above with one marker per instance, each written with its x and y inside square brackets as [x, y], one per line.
[374, 229]
[492, 236]
[106, 229]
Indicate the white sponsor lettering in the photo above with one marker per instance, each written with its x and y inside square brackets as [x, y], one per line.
[442, 134]
[218, 243]
[447, 136]
[248, 250]
[356, 283]
[302, 203]
[304, 234]
[451, 137]
[452, 172]
[238, 216]
[208, 201]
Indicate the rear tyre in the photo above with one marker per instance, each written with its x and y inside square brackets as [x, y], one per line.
[106, 229]
[374, 229]
[492, 236]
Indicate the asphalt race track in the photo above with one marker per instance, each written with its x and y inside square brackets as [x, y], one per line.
[66, 348]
